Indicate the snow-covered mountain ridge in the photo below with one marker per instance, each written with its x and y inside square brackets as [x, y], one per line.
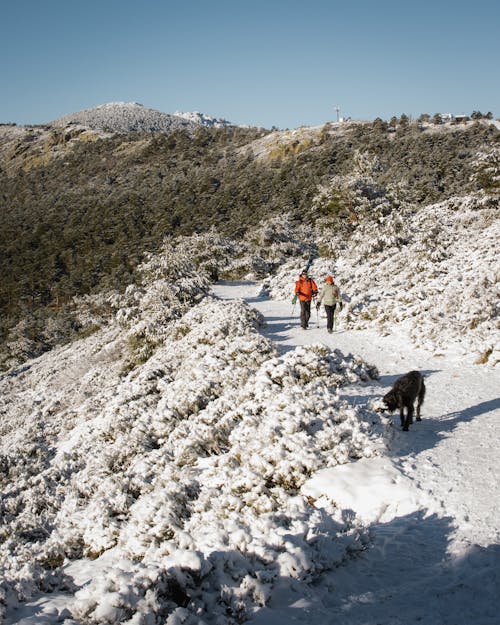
[167, 468]
[134, 117]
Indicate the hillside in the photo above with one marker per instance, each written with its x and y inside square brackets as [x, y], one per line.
[195, 461]
[166, 440]
[80, 206]
[124, 117]
[433, 273]
[170, 450]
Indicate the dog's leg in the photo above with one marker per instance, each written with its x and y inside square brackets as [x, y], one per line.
[401, 411]
[409, 417]
[421, 395]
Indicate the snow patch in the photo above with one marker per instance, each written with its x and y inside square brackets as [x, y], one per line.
[372, 488]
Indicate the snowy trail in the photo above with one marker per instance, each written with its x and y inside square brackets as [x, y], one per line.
[431, 505]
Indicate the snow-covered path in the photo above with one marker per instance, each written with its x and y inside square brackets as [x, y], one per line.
[431, 504]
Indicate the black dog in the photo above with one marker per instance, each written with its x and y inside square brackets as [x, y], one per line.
[403, 394]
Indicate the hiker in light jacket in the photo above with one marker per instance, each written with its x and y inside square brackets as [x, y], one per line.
[330, 296]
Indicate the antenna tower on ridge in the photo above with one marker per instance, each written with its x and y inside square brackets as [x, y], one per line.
[337, 110]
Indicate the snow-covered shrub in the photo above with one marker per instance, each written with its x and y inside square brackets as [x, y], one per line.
[347, 200]
[433, 272]
[179, 482]
[279, 238]
[262, 249]
[171, 285]
[487, 171]
[210, 252]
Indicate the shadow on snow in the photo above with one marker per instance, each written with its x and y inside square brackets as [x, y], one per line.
[404, 576]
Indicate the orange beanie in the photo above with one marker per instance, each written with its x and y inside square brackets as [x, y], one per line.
[329, 279]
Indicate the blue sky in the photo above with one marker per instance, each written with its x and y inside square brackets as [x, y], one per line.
[285, 63]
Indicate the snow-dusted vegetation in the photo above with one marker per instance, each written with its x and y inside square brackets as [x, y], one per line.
[165, 453]
[431, 273]
[126, 117]
[204, 120]
[258, 254]
[135, 117]
[158, 444]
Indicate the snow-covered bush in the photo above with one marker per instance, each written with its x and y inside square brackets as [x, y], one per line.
[280, 238]
[211, 252]
[170, 286]
[433, 272]
[262, 249]
[347, 201]
[487, 171]
[178, 483]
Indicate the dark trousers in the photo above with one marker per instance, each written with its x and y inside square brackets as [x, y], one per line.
[305, 313]
[330, 311]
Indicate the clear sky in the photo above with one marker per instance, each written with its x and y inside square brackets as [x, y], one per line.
[285, 63]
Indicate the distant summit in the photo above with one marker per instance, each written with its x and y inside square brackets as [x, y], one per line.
[134, 117]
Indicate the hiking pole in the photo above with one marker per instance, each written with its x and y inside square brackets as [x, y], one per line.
[317, 315]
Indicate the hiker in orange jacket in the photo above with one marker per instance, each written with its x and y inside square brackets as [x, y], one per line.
[306, 289]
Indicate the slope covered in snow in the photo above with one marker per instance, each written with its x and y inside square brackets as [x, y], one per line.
[152, 471]
[242, 474]
[204, 120]
[125, 117]
[433, 274]
[200, 459]
[429, 502]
